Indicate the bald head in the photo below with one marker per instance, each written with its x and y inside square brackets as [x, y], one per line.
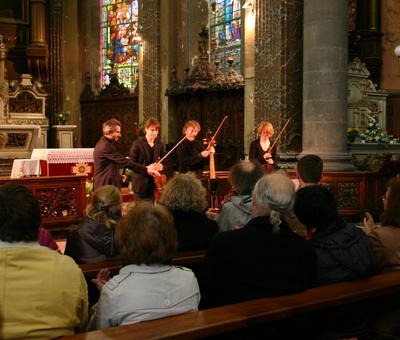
[244, 175]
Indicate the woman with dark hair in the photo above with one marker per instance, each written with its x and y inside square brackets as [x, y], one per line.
[147, 287]
[185, 197]
[386, 239]
[343, 251]
[93, 239]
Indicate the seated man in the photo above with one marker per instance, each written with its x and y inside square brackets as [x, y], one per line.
[236, 211]
[309, 172]
[264, 258]
[43, 293]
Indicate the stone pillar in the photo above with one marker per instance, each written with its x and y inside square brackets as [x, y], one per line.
[325, 83]
[149, 63]
[37, 49]
[278, 71]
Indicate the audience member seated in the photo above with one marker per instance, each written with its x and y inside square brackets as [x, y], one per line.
[386, 238]
[309, 172]
[146, 287]
[236, 210]
[93, 239]
[46, 240]
[343, 253]
[43, 293]
[185, 198]
[264, 258]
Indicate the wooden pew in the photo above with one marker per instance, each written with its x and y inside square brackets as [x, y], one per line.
[245, 315]
[183, 258]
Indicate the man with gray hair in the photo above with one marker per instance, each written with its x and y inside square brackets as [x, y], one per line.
[264, 258]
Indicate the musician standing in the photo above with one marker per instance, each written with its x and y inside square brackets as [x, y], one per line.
[191, 153]
[260, 149]
[146, 150]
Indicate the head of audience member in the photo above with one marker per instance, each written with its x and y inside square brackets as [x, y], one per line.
[391, 204]
[273, 196]
[315, 207]
[309, 170]
[105, 206]
[184, 192]
[191, 129]
[265, 130]
[147, 235]
[244, 175]
[20, 216]
[112, 129]
[152, 127]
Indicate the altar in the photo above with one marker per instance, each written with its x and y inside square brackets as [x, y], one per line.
[65, 162]
[17, 141]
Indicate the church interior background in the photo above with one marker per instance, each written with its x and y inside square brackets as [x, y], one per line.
[328, 66]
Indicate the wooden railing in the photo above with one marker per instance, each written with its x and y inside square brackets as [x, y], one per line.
[183, 258]
[246, 315]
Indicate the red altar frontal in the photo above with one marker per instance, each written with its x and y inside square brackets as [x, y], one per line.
[65, 162]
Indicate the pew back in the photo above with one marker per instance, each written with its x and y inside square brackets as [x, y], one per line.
[242, 316]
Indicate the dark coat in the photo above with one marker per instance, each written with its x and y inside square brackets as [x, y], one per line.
[194, 230]
[256, 152]
[90, 242]
[140, 153]
[189, 157]
[343, 253]
[107, 162]
[254, 262]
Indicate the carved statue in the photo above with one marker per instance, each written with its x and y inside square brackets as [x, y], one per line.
[203, 41]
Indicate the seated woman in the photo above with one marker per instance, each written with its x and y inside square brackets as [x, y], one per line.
[146, 287]
[93, 240]
[185, 198]
[386, 239]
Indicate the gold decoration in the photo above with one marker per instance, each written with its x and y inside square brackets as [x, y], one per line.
[81, 169]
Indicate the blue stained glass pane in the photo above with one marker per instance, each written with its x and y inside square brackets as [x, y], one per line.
[119, 48]
[225, 32]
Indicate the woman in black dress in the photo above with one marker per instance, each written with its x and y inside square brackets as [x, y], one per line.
[260, 149]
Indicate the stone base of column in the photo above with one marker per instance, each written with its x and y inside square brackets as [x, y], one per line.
[340, 161]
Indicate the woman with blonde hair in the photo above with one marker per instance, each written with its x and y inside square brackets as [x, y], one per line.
[93, 239]
[260, 149]
[185, 198]
[147, 287]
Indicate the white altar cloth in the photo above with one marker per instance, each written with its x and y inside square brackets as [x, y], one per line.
[25, 167]
[60, 156]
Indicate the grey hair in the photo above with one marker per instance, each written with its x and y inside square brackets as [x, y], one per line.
[275, 192]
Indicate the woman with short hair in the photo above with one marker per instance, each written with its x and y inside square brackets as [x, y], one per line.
[261, 150]
[147, 287]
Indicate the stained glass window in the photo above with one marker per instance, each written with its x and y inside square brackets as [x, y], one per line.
[119, 41]
[226, 32]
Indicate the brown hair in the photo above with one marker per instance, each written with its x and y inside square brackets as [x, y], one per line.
[147, 235]
[184, 192]
[191, 123]
[152, 122]
[105, 206]
[265, 125]
[309, 168]
[391, 215]
[110, 125]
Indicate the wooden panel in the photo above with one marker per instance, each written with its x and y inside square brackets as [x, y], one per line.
[62, 199]
[96, 111]
[393, 114]
[209, 108]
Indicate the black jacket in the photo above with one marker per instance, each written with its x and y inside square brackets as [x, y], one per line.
[189, 157]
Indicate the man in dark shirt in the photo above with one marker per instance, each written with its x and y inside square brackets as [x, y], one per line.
[107, 160]
[191, 152]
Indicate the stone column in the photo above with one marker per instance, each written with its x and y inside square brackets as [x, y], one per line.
[149, 65]
[37, 49]
[278, 70]
[325, 82]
